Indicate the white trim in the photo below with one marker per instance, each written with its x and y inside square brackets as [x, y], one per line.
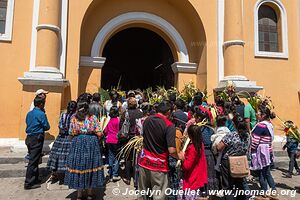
[144, 17]
[62, 30]
[48, 27]
[96, 62]
[184, 67]
[220, 28]
[284, 29]
[7, 36]
[233, 42]
[35, 20]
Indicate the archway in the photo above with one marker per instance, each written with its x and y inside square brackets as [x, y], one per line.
[137, 58]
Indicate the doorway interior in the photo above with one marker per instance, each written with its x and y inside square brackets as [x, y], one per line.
[137, 58]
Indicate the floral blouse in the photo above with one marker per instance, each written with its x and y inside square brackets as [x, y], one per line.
[89, 126]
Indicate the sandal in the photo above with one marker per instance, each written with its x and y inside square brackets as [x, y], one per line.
[126, 181]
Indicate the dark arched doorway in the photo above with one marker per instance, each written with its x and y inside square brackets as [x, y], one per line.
[137, 58]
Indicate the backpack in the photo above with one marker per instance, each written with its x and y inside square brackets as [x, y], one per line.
[124, 131]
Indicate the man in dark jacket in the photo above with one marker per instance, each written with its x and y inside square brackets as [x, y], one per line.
[37, 123]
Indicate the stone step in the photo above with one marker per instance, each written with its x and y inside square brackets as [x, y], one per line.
[19, 170]
[18, 159]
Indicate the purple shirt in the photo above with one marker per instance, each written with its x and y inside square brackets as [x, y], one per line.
[112, 130]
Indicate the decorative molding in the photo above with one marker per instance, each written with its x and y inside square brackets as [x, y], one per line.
[133, 17]
[233, 42]
[44, 81]
[241, 83]
[62, 31]
[48, 27]
[220, 28]
[178, 67]
[7, 36]
[96, 62]
[284, 31]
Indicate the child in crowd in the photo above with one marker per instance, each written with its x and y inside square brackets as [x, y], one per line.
[194, 165]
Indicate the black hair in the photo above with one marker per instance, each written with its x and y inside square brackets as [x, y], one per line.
[266, 112]
[96, 97]
[194, 133]
[241, 127]
[198, 99]
[38, 101]
[82, 110]
[219, 101]
[180, 104]
[221, 120]
[71, 108]
[114, 112]
[172, 96]
[146, 108]
[164, 107]
[200, 114]
[85, 97]
[235, 99]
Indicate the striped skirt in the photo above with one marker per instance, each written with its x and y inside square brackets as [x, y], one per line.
[84, 164]
[59, 153]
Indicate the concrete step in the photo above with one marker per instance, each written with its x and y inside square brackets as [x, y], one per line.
[19, 170]
[18, 159]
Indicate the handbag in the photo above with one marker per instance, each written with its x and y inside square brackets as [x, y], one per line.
[124, 131]
[238, 166]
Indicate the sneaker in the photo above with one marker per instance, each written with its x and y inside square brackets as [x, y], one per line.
[287, 175]
[116, 178]
[297, 173]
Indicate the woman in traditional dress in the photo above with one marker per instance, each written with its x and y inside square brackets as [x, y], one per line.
[84, 166]
[60, 149]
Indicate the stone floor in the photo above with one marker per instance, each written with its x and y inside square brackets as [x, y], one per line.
[12, 189]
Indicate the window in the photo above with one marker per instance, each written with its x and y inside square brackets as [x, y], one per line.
[271, 38]
[268, 29]
[3, 9]
[6, 15]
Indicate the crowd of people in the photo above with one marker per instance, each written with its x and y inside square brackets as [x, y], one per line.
[184, 146]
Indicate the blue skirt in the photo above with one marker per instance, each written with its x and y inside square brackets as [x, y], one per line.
[59, 153]
[84, 165]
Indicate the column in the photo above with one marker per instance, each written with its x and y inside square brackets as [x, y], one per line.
[48, 35]
[233, 38]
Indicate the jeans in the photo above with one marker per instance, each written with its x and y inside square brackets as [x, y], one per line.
[112, 160]
[266, 178]
[34, 145]
[293, 163]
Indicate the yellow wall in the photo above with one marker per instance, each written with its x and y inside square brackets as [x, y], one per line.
[195, 20]
[279, 77]
[14, 58]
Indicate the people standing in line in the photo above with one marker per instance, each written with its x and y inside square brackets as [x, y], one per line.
[261, 151]
[207, 132]
[84, 165]
[133, 113]
[57, 162]
[36, 125]
[130, 94]
[113, 146]
[233, 144]
[194, 165]
[114, 101]
[291, 147]
[158, 144]
[95, 107]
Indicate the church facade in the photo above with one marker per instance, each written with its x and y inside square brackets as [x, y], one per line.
[71, 46]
